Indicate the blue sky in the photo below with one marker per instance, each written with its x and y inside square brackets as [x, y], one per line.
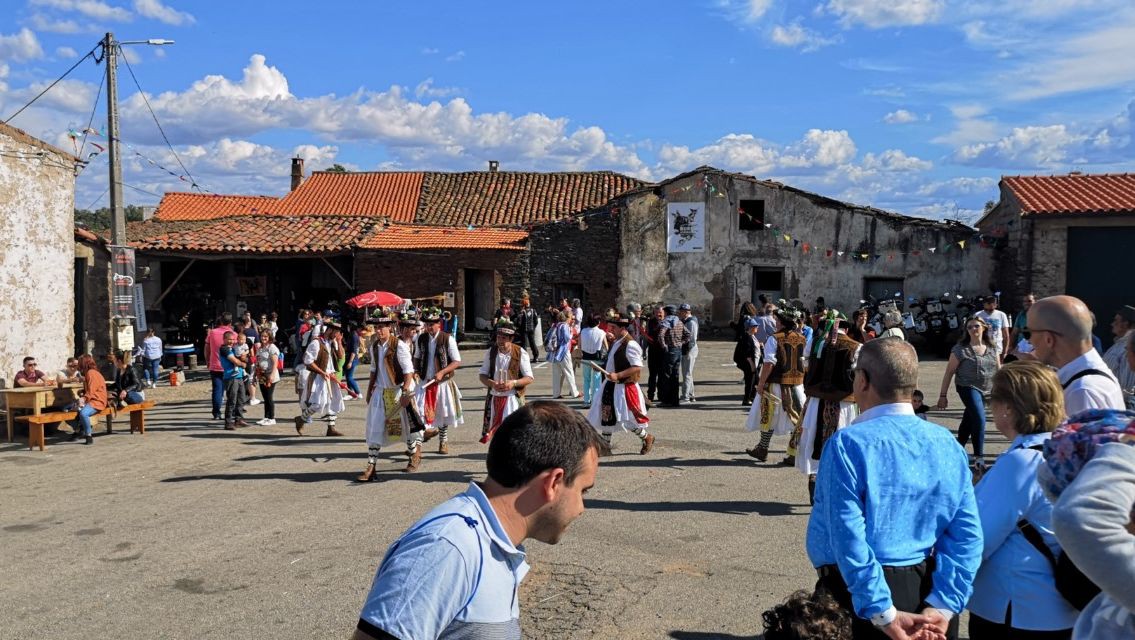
[916, 106]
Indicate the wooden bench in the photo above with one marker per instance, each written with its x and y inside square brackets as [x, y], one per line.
[36, 422]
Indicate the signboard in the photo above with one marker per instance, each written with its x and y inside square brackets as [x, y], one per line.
[685, 227]
[252, 286]
[122, 281]
[450, 300]
[140, 309]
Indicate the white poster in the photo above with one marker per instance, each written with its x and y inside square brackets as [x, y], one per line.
[685, 227]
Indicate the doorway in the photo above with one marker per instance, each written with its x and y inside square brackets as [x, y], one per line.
[480, 299]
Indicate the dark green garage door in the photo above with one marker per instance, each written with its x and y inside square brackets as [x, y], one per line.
[1100, 273]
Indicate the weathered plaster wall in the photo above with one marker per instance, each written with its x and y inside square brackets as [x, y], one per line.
[37, 250]
[718, 280]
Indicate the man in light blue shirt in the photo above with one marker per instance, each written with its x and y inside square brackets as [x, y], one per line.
[894, 533]
[457, 571]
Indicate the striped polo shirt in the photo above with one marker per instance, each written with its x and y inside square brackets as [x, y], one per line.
[454, 575]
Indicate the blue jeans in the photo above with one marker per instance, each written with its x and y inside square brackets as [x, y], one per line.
[973, 420]
[349, 376]
[134, 397]
[218, 391]
[151, 369]
[592, 381]
[83, 422]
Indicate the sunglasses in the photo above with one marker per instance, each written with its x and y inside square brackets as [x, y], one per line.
[32, 364]
[1027, 334]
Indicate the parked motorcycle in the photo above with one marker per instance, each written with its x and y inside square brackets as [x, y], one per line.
[932, 323]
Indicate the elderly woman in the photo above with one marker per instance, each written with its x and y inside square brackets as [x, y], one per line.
[892, 321]
[1014, 593]
[1089, 473]
[974, 360]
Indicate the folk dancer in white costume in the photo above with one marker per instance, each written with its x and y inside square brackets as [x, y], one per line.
[391, 365]
[436, 358]
[779, 402]
[620, 403]
[320, 394]
[831, 404]
[418, 433]
[505, 372]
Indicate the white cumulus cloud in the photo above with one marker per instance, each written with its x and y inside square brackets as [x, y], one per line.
[90, 8]
[796, 35]
[20, 46]
[902, 116]
[155, 10]
[1024, 147]
[876, 14]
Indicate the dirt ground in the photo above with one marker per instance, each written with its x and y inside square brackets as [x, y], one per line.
[193, 532]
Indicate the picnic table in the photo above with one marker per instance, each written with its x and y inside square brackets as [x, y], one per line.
[37, 399]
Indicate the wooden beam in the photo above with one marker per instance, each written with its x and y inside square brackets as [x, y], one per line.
[336, 272]
[172, 284]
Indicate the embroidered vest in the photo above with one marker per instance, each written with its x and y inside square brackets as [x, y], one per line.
[513, 364]
[789, 350]
[393, 371]
[622, 363]
[422, 353]
[827, 377]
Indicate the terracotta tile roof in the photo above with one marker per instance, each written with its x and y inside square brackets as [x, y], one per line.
[253, 235]
[509, 197]
[376, 194]
[1074, 193]
[427, 237]
[206, 206]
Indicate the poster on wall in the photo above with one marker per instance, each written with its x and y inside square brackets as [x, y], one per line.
[252, 287]
[685, 227]
[122, 281]
[140, 309]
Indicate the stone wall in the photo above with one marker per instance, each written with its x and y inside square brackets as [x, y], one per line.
[37, 251]
[564, 254]
[95, 326]
[418, 274]
[715, 282]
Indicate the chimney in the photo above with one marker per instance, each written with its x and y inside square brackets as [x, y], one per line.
[494, 165]
[297, 173]
[148, 212]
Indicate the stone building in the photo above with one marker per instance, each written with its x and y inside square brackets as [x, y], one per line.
[92, 294]
[37, 249]
[748, 237]
[1066, 234]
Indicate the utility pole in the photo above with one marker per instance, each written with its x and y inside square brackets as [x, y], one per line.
[117, 217]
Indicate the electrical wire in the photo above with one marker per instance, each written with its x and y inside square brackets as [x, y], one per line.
[57, 80]
[96, 200]
[155, 117]
[91, 121]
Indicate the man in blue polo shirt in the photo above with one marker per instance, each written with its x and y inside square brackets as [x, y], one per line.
[457, 571]
[894, 534]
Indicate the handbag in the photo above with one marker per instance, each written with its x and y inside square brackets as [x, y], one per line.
[1075, 587]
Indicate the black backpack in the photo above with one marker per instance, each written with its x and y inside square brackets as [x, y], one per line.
[1075, 587]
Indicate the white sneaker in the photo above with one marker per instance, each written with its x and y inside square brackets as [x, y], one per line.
[254, 401]
[269, 422]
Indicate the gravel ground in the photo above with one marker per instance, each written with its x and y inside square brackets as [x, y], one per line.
[194, 532]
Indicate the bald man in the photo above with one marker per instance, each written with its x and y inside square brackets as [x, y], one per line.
[1060, 331]
[894, 545]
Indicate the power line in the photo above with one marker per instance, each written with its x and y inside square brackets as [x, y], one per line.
[57, 80]
[155, 117]
[96, 200]
[91, 121]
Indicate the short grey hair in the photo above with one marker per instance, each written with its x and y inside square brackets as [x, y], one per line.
[891, 365]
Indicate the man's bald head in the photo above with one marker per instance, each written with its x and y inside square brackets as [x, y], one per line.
[1065, 315]
[891, 365]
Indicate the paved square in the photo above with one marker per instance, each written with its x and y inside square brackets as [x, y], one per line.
[194, 532]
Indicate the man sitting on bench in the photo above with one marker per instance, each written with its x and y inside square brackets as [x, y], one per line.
[30, 376]
[92, 400]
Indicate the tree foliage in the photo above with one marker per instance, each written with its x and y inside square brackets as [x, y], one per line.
[99, 219]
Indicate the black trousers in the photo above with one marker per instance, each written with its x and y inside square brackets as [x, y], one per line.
[668, 380]
[749, 384]
[656, 361]
[528, 343]
[269, 405]
[982, 629]
[909, 588]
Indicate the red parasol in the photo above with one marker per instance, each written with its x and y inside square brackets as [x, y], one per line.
[375, 299]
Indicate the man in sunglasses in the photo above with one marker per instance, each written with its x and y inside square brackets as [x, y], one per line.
[31, 376]
[1060, 332]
